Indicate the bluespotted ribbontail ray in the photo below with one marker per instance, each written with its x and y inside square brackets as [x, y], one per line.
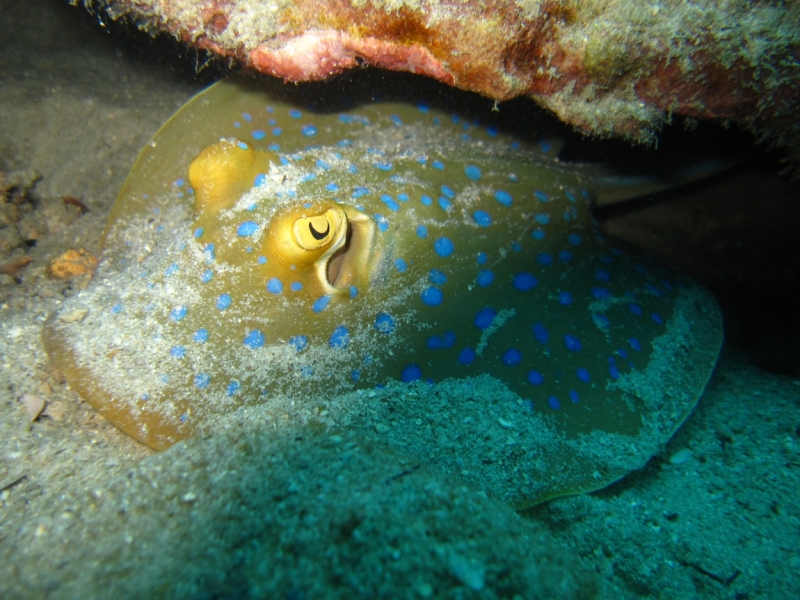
[260, 251]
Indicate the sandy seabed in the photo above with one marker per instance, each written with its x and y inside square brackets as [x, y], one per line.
[86, 511]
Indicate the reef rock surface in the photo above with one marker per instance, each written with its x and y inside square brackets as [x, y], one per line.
[609, 67]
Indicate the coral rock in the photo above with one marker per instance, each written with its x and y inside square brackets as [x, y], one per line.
[612, 68]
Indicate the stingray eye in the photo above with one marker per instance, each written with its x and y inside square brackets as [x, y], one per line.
[318, 235]
[313, 233]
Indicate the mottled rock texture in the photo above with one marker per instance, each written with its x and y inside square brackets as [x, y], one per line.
[608, 67]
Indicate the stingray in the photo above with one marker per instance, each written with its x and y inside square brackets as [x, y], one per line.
[262, 250]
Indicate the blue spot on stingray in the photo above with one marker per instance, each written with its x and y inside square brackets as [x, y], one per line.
[422, 232]
[444, 203]
[444, 341]
[201, 335]
[177, 313]
[466, 356]
[574, 397]
[622, 352]
[473, 172]
[448, 339]
[383, 223]
[540, 333]
[295, 114]
[443, 247]
[575, 239]
[340, 338]
[437, 164]
[437, 277]
[275, 286]
[260, 180]
[654, 290]
[355, 374]
[535, 378]
[207, 276]
[542, 219]
[541, 196]
[223, 301]
[258, 134]
[524, 282]
[485, 278]
[321, 303]
[359, 191]
[233, 387]
[178, 351]
[396, 119]
[296, 286]
[613, 372]
[545, 259]
[448, 192]
[482, 218]
[277, 131]
[635, 309]
[353, 291]
[503, 197]
[435, 342]
[572, 343]
[383, 166]
[426, 200]
[553, 403]
[583, 375]
[411, 373]
[635, 344]
[485, 317]
[298, 342]
[400, 265]
[321, 164]
[600, 294]
[565, 298]
[171, 270]
[390, 202]
[512, 357]
[247, 116]
[432, 296]
[657, 319]
[565, 256]
[481, 258]
[402, 197]
[201, 380]
[601, 322]
[384, 323]
[538, 234]
[516, 247]
[242, 145]
[254, 339]
[332, 187]
[209, 253]
[199, 232]
[602, 275]
[308, 130]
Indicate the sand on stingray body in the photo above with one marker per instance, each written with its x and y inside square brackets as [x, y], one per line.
[429, 248]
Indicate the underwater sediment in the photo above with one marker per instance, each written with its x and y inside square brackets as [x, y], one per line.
[607, 67]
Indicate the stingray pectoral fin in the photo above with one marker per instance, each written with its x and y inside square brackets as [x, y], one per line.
[224, 171]
[143, 421]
